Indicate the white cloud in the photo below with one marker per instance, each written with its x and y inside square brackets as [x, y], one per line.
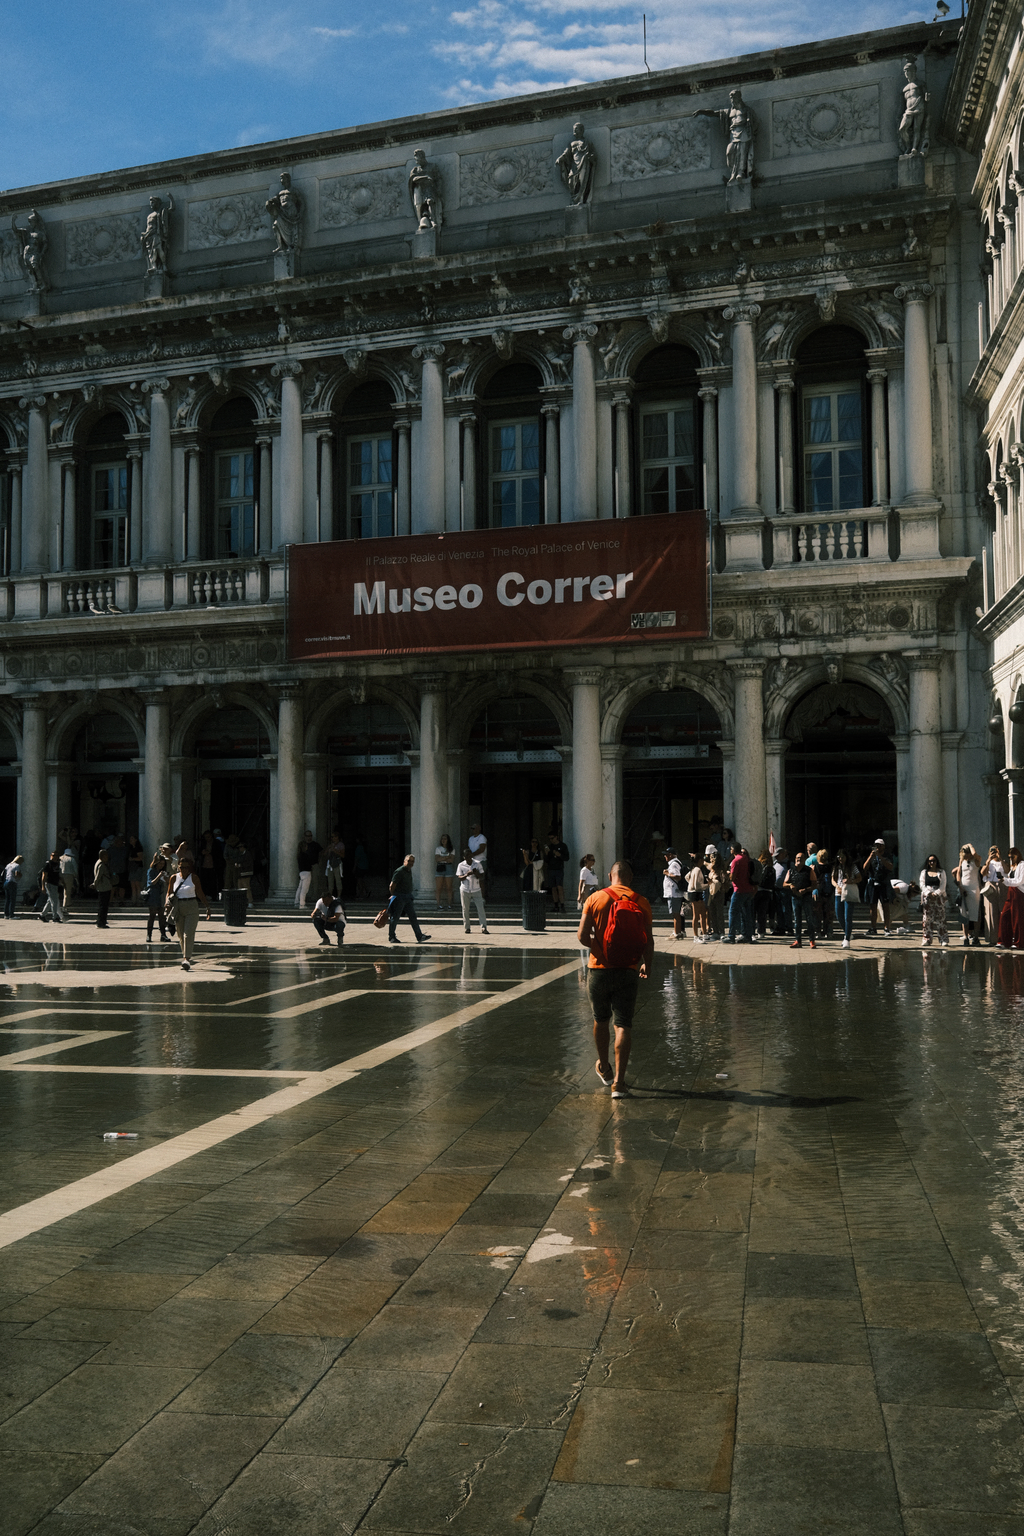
[329, 33]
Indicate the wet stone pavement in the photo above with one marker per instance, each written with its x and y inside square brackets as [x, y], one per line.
[384, 1255]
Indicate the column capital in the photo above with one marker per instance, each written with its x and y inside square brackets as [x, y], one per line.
[429, 351]
[153, 696]
[747, 666]
[613, 754]
[584, 332]
[785, 384]
[263, 439]
[283, 691]
[550, 408]
[156, 386]
[431, 682]
[622, 398]
[707, 392]
[914, 293]
[877, 375]
[923, 661]
[468, 418]
[33, 701]
[951, 740]
[286, 368]
[742, 313]
[32, 402]
[403, 421]
[1013, 776]
[584, 677]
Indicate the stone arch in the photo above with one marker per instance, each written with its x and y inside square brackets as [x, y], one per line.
[65, 728]
[852, 318]
[85, 413]
[622, 704]
[10, 720]
[462, 715]
[481, 370]
[380, 369]
[798, 681]
[184, 727]
[683, 331]
[214, 399]
[8, 429]
[375, 693]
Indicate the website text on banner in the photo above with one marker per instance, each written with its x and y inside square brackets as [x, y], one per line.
[568, 584]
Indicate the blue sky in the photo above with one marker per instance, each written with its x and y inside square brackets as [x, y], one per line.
[92, 85]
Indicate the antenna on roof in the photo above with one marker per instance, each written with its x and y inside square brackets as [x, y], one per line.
[646, 65]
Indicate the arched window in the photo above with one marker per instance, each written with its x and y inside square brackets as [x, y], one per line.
[835, 459]
[668, 430]
[512, 425]
[107, 528]
[369, 454]
[232, 438]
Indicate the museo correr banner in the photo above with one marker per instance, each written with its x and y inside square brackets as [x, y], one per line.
[591, 583]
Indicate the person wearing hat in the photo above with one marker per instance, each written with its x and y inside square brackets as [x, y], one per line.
[878, 892]
[673, 888]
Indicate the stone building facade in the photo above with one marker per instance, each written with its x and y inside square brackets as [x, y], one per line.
[985, 116]
[750, 286]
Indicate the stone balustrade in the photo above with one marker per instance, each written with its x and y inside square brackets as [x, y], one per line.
[862, 534]
[149, 589]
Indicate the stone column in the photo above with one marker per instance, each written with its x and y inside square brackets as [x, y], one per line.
[950, 743]
[428, 507]
[584, 421]
[264, 513]
[159, 533]
[623, 468]
[744, 404]
[69, 501]
[708, 396]
[1014, 778]
[14, 551]
[325, 438]
[403, 489]
[193, 502]
[927, 819]
[612, 759]
[751, 808]
[433, 778]
[917, 395]
[998, 807]
[469, 494]
[32, 791]
[784, 388]
[289, 519]
[586, 761]
[879, 458]
[776, 748]
[552, 469]
[34, 520]
[290, 788]
[155, 818]
[58, 800]
[568, 830]
[134, 456]
[728, 750]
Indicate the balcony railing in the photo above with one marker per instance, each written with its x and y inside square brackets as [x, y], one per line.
[862, 534]
[150, 589]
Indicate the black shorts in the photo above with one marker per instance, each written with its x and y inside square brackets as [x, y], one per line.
[613, 995]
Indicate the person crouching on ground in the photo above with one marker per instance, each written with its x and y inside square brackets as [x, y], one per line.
[617, 927]
[329, 914]
[468, 875]
[184, 897]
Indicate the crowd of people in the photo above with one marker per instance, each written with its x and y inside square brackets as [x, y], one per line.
[728, 895]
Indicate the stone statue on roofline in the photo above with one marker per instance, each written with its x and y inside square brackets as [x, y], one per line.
[285, 210]
[738, 121]
[425, 192]
[913, 130]
[33, 244]
[156, 237]
[577, 166]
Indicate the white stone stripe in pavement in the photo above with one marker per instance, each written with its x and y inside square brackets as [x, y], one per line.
[23, 1220]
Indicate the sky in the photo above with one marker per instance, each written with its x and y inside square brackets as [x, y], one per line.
[94, 85]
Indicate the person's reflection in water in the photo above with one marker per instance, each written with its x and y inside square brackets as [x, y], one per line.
[1011, 975]
[474, 966]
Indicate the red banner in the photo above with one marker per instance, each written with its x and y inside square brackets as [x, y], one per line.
[590, 583]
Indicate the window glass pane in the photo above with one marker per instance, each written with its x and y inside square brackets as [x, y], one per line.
[656, 490]
[504, 503]
[684, 486]
[384, 528]
[384, 461]
[656, 435]
[249, 488]
[851, 492]
[819, 482]
[505, 449]
[361, 463]
[530, 502]
[849, 418]
[103, 541]
[683, 433]
[531, 445]
[101, 500]
[819, 419]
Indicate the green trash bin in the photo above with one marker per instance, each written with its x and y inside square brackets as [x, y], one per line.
[534, 908]
[235, 906]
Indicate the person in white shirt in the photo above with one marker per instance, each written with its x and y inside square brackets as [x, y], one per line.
[1011, 919]
[329, 913]
[478, 851]
[695, 884]
[12, 874]
[469, 873]
[673, 887]
[185, 895]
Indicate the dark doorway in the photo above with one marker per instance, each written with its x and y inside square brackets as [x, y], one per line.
[671, 780]
[840, 769]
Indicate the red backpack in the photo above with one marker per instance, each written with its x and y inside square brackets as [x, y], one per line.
[626, 934]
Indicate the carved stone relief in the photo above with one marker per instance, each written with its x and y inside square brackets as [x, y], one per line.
[368, 197]
[234, 220]
[832, 120]
[660, 149]
[498, 175]
[91, 242]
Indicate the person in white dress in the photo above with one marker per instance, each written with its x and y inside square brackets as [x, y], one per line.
[967, 875]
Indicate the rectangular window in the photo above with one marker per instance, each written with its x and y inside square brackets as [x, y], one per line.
[370, 488]
[833, 448]
[515, 474]
[109, 515]
[668, 464]
[235, 528]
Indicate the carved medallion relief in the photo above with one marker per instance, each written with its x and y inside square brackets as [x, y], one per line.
[368, 197]
[235, 220]
[500, 174]
[91, 242]
[661, 149]
[833, 120]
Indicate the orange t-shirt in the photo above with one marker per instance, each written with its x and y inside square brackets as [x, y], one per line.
[599, 906]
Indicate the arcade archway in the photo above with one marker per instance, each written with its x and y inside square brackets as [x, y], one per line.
[515, 782]
[369, 788]
[671, 778]
[840, 768]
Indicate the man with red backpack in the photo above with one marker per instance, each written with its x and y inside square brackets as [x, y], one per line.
[617, 927]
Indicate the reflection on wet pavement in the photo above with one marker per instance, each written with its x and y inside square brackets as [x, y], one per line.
[385, 1255]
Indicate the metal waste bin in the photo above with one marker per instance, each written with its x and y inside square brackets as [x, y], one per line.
[235, 906]
[534, 907]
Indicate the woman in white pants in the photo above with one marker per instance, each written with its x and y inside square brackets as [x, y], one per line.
[184, 896]
[468, 873]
